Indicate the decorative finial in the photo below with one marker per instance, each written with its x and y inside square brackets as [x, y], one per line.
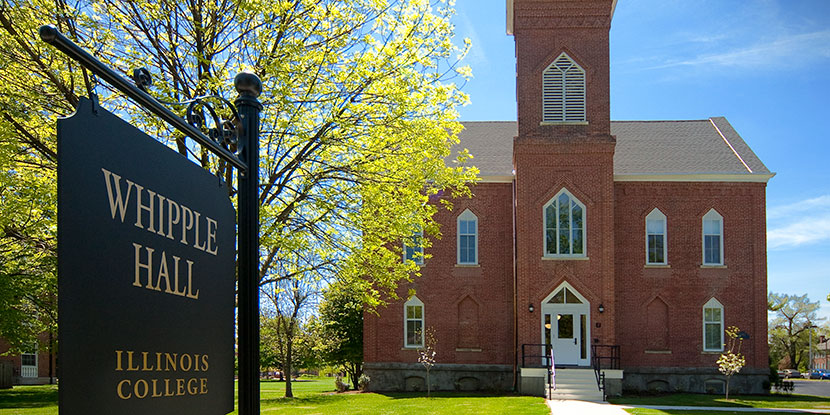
[248, 84]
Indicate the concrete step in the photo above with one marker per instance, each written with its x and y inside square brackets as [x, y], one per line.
[576, 384]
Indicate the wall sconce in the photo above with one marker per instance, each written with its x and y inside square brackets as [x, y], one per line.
[601, 308]
[530, 307]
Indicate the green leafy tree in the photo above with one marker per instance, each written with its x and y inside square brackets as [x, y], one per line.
[340, 330]
[360, 101]
[789, 327]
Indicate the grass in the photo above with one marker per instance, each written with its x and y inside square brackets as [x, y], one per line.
[743, 401]
[316, 396]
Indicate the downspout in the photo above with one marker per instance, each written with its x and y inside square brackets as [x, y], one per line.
[515, 295]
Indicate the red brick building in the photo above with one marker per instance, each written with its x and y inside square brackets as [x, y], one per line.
[33, 368]
[645, 238]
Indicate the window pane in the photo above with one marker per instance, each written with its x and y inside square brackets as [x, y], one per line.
[712, 249]
[565, 324]
[577, 241]
[713, 339]
[550, 235]
[410, 312]
[711, 227]
[558, 298]
[570, 298]
[28, 360]
[564, 214]
[550, 216]
[576, 213]
[654, 226]
[417, 311]
[564, 242]
[655, 249]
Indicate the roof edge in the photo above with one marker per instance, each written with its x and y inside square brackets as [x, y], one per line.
[695, 177]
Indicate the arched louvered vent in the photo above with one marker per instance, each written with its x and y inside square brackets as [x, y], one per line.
[563, 91]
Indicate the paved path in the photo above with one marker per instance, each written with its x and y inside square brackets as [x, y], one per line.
[560, 407]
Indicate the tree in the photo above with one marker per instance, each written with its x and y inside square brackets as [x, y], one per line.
[360, 109]
[789, 327]
[426, 353]
[731, 361]
[340, 330]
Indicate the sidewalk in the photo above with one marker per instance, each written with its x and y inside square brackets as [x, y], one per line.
[560, 407]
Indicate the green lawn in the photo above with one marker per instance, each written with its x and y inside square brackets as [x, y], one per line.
[317, 397]
[745, 401]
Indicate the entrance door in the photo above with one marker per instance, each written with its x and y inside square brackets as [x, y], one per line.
[565, 326]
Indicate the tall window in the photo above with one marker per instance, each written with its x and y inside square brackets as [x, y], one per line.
[413, 326]
[467, 238]
[563, 91]
[413, 248]
[564, 226]
[656, 238]
[712, 238]
[713, 326]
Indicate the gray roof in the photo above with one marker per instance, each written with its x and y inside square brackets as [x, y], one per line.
[696, 147]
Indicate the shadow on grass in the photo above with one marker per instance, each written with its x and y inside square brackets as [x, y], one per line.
[315, 399]
[738, 401]
[444, 394]
[29, 397]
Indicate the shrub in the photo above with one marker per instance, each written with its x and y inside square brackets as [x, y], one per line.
[340, 385]
[363, 382]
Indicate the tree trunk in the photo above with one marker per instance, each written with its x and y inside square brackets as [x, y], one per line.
[427, 382]
[289, 393]
[727, 387]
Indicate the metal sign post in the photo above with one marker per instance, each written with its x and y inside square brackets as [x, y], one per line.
[249, 87]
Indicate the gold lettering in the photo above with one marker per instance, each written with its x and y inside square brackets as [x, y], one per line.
[117, 203]
[203, 386]
[149, 207]
[192, 386]
[179, 387]
[196, 366]
[170, 220]
[155, 384]
[190, 282]
[144, 358]
[196, 234]
[158, 361]
[138, 265]
[211, 236]
[161, 215]
[187, 222]
[167, 391]
[120, 389]
[138, 394]
[163, 273]
[118, 354]
[189, 363]
[130, 367]
[171, 359]
[176, 277]
[205, 363]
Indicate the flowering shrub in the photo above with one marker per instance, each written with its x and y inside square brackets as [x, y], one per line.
[731, 361]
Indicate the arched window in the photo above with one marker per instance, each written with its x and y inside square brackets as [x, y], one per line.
[713, 326]
[712, 238]
[413, 323]
[467, 238]
[656, 238]
[564, 226]
[563, 91]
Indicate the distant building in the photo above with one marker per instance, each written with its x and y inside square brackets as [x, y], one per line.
[820, 359]
[35, 368]
[635, 241]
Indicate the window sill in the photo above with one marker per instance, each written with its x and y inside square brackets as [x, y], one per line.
[711, 352]
[657, 266]
[468, 265]
[658, 351]
[565, 258]
[714, 266]
[463, 349]
[411, 347]
[563, 123]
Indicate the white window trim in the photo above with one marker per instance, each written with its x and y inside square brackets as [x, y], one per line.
[584, 253]
[573, 92]
[710, 215]
[467, 215]
[656, 214]
[713, 303]
[413, 301]
[418, 259]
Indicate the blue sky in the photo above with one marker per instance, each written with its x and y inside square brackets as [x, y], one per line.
[762, 64]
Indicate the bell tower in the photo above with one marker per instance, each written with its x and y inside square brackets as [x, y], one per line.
[563, 159]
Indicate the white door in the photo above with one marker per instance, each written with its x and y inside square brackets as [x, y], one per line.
[28, 365]
[565, 326]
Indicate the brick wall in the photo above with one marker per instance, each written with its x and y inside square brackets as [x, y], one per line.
[470, 307]
[684, 286]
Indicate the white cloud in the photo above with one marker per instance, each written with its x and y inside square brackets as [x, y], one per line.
[797, 224]
[785, 51]
[477, 55]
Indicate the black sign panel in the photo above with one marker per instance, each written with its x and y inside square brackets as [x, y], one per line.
[146, 248]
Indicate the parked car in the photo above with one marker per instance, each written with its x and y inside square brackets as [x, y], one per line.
[819, 374]
[791, 373]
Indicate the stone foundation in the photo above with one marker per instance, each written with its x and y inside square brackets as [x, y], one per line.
[694, 380]
[411, 377]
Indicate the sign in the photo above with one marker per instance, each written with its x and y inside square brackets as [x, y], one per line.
[146, 271]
